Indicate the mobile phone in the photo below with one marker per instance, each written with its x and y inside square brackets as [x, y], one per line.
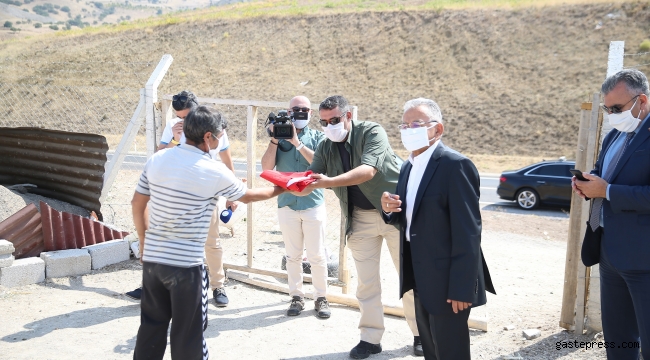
[578, 174]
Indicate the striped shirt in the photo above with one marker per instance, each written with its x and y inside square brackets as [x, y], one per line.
[183, 184]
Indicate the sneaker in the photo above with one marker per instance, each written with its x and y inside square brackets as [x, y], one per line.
[297, 304]
[364, 349]
[322, 308]
[417, 346]
[135, 294]
[220, 297]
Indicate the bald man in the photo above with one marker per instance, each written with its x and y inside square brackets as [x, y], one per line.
[302, 219]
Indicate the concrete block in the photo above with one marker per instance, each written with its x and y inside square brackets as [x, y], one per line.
[108, 253]
[6, 260]
[23, 272]
[66, 263]
[6, 247]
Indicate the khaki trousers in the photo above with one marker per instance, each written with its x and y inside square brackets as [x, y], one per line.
[368, 232]
[214, 253]
[305, 229]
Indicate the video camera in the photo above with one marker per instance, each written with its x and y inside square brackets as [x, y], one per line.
[282, 126]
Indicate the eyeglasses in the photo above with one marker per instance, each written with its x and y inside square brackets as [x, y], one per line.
[415, 124]
[299, 109]
[617, 109]
[332, 121]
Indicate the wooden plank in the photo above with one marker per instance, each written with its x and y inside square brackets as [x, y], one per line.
[585, 106]
[583, 272]
[251, 137]
[151, 91]
[348, 300]
[132, 128]
[280, 274]
[567, 315]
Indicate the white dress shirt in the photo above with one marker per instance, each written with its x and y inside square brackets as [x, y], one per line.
[420, 163]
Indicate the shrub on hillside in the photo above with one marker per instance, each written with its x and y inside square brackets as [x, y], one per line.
[25, 10]
[65, 9]
[645, 45]
[11, 2]
[28, 1]
[8, 24]
[14, 29]
[54, 27]
[38, 25]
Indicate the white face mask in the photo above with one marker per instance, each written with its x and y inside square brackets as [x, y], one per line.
[336, 133]
[415, 139]
[213, 152]
[300, 124]
[624, 121]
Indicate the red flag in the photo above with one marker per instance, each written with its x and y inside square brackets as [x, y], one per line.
[294, 181]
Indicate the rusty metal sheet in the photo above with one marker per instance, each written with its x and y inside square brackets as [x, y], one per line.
[24, 230]
[63, 165]
[63, 230]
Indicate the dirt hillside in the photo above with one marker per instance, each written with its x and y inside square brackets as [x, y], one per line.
[508, 81]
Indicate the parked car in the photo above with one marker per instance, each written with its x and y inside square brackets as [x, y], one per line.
[546, 182]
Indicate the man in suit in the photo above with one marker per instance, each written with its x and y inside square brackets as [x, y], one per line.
[620, 188]
[437, 210]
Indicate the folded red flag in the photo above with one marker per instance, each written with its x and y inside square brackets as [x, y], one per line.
[294, 181]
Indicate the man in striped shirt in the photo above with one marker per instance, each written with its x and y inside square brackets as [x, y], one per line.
[181, 186]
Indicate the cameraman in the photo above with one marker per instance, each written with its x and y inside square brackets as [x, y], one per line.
[302, 219]
[172, 136]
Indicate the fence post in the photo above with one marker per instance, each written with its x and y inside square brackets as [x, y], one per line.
[615, 60]
[152, 97]
[114, 164]
[251, 158]
[166, 115]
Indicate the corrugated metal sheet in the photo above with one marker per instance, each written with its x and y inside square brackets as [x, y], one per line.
[64, 165]
[62, 230]
[24, 230]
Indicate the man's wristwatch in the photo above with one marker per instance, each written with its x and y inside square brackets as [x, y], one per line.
[300, 146]
[175, 142]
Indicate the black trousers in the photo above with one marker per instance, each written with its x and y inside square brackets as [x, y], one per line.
[176, 294]
[444, 337]
[625, 311]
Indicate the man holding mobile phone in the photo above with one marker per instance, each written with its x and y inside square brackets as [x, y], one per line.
[619, 185]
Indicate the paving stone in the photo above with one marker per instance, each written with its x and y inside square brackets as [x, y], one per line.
[23, 272]
[63, 263]
[108, 253]
[6, 247]
[6, 260]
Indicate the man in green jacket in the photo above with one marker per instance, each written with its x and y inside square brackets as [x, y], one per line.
[357, 162]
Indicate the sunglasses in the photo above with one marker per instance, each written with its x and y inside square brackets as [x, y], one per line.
[299, 109]
[332, 121]
[415, 124]
[617, 109]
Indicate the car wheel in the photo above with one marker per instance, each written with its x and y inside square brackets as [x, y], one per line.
[527, 199]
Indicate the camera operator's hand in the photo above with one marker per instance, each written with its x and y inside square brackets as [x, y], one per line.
[294, 140]
[177, 130]
[270, 127]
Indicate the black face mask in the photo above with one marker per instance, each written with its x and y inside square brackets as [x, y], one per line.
[284, 146]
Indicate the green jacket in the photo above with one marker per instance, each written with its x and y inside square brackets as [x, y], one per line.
[367, 144]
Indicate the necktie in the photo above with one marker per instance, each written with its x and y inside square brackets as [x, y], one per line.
[597, 204]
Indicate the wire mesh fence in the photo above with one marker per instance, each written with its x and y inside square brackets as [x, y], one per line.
[97, 97]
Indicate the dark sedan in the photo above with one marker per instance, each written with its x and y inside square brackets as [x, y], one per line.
[546, 182]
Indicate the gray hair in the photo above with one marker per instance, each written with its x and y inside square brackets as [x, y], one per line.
[635, 81]
[203, 119]
[431, 108]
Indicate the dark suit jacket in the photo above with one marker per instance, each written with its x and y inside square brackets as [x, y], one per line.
[445, 258]
[626, 216]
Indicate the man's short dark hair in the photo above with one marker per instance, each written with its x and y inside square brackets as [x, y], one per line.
[184, 100]
[203, 119]
[333, 102]
[635, 81]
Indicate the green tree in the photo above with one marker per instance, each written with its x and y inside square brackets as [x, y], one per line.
[8, 24]
[65, 9]
[38, 25]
